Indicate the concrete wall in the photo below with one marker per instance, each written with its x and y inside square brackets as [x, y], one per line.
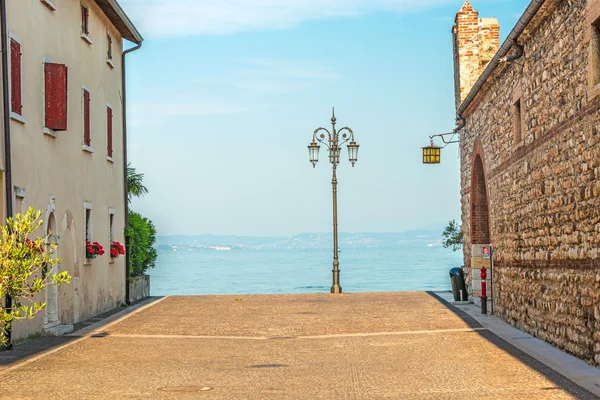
[54, 172]
[139, 287]
[543, 190]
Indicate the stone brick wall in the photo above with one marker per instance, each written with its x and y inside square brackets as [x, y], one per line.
[476, 41]
[543, 191]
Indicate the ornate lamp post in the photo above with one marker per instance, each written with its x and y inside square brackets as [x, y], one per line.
[333, 141]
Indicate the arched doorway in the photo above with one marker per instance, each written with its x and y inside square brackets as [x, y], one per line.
[51, 314]
[480, 223]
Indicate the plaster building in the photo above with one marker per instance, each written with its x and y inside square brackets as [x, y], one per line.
[64, 146]
[529, 117]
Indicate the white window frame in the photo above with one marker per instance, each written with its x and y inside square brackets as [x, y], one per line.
[13, 115]
[84, 147]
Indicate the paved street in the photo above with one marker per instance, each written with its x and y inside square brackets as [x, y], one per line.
[353, 346]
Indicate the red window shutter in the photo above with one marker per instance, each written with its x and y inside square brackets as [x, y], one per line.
[15, 74]
[87, 140]
[109, 118]
[56, 96]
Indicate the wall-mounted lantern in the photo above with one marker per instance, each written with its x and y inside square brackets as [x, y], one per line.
[432, 153]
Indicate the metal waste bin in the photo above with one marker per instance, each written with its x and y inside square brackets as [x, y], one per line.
[457, 278]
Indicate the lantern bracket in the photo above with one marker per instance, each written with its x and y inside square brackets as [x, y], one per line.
[443, 137]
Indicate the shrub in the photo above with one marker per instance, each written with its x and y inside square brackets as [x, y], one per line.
[25, 269]
[142, 237]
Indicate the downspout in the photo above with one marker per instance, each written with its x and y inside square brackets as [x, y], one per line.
[7, 153]
[511, 40]
[125, 186]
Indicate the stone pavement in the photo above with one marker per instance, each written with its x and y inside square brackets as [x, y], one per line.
[314, 346]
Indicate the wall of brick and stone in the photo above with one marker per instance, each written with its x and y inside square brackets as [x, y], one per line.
[543, 191]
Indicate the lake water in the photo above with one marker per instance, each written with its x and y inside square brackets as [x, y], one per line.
[369, 262]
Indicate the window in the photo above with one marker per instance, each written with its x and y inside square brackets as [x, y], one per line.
[88, 221]
[16, 105]
[85, 24]
[55, 96]
[595, 53]
[518, 122]
[109, 54]
[108, 47]
[87, 137]
[19, 203]
[109, 132]
[85, 20]
[111, 224]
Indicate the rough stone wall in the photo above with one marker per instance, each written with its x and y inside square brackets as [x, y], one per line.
[476, 41]
[544, 191]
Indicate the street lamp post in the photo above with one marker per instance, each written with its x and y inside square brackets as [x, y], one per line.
[333, 141]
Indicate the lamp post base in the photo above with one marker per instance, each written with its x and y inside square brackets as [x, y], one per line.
[336, 289]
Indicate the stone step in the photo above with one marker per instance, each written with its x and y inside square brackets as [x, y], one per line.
[58, 330]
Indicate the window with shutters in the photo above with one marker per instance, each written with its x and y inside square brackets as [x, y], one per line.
[85, 23]
[16, 100]
[55, 89]
[87, 134]
[109, 133]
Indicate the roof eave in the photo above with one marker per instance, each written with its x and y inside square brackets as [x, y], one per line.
[120, 20]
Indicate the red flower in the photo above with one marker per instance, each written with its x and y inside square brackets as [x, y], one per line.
[116, 249]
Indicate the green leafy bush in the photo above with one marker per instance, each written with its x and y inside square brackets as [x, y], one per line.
[142, 237]
[25, 269]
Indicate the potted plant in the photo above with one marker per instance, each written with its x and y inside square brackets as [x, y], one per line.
[116, 250]
[93, 249]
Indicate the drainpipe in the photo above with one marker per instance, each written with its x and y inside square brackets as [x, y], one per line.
[517, 55]
[7, 154]
[125, 186]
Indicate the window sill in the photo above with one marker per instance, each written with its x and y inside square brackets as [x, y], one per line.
[110, 63]
[87, 148]
[50, 132]
[87, 38]
[50, 4]
[17, 117]
[110, 159]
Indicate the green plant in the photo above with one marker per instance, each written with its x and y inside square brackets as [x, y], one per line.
[453, 236]
[142, 237]
[135, 183]
[25, 269]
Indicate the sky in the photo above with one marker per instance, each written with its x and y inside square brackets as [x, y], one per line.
[224, 96]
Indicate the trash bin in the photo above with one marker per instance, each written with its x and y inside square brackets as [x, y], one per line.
[457, 278]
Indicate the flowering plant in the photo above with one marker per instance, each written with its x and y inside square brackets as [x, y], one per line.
[34, 246]
[116, 249]
[93, 249]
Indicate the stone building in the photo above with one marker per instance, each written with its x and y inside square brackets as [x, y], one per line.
[530, 168]
[64, 150]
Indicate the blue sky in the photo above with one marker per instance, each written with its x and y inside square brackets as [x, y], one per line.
[224, 97]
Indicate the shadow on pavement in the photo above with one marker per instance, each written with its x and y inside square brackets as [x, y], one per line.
[40, 345]
[561, 381]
